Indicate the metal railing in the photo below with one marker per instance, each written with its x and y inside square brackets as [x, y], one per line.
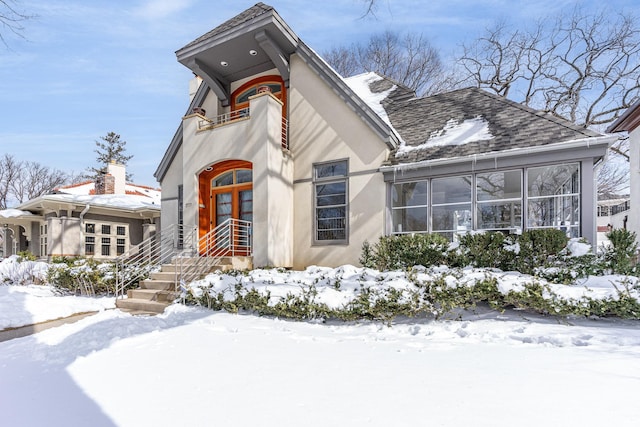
[285, 133]
[231, 238]
[137, 263]
[178, 244]
[209, 123]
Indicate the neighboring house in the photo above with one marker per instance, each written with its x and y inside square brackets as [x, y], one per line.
[320, 164]
[101, 219]
[629, 122]
[612, 213]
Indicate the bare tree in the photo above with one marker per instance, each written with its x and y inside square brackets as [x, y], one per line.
[9, 170]
[583, 68]
[409, 59]
[11, 19]
[34, 179]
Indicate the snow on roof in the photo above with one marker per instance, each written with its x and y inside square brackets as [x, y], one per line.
[88, 189]
[360, 84]
[118, 201]
[14, 213]
[454, 133]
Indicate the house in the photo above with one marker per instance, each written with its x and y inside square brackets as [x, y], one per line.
[629, 124]
[100, 219]
[318, 164]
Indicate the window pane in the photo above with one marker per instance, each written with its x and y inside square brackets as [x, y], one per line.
[244, 96]
[121, 231]
[243, 175]
[223, 207]
[452, 218]
[222, 180]
[331, 194]
[331, 169]
[90, 228]
[409, 194]
[106, 229]
[558, 212]
[553, 180]
[331, 223]
[410, 220]
[499, 185]
[451, 190]
[496, 216]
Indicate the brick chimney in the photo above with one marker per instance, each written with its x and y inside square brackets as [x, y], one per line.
[112, 181]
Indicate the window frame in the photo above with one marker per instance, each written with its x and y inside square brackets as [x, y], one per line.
[334, 179]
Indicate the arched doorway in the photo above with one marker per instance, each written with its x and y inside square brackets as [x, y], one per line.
[226, 191]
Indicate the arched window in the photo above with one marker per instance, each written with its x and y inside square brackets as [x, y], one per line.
[274, 84]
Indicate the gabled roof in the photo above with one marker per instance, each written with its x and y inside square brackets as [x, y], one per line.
[262, 31]
[472, 121]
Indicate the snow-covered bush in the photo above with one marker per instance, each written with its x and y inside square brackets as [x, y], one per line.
[432, 292]
[82, 276]
[16, 270]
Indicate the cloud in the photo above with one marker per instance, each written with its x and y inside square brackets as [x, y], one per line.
[158, 9]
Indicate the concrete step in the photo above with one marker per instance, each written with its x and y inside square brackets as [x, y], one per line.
[137, 305]
[158, 285]
[152, 295]
[166, 276]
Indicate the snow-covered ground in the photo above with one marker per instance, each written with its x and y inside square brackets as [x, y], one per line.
[194, 367]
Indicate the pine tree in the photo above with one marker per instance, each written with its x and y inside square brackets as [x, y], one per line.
[110, 149]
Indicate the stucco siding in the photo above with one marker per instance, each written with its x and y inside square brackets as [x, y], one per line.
[323, 128]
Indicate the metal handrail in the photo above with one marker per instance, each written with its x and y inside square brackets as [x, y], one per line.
[142, 259]
[208, 123]
[231, 238]
[285, 133]
[177, 243]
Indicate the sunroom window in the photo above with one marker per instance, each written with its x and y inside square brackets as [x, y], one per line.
[499, 200]
[451, 205]
[409, 207]
[554, 198]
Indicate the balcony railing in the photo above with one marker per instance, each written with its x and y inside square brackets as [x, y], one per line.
[209, 123]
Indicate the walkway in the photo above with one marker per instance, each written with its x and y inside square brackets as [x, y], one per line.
[23, 331]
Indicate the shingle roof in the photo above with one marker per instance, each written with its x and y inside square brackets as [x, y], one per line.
[249, 14]
[511, 125]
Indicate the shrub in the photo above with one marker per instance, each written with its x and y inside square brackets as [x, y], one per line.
[82, 276]
[405, 251]
[620, 255]
[486, 249]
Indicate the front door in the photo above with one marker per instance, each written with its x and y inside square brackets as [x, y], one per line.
[232, 198]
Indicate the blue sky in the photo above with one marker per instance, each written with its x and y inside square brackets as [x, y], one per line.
[90, 67]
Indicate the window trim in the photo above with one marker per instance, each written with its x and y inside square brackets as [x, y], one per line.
[329, 180]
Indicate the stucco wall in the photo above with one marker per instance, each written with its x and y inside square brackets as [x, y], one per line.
[169, 193]
[258, 140]
[323, 128]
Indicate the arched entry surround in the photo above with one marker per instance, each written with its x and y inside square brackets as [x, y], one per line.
[225, 190]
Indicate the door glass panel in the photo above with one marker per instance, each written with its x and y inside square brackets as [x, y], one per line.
[223, 207]
[246, 205]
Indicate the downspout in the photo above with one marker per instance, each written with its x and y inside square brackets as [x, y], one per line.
[83, 247]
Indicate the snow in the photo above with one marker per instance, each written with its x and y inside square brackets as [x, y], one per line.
[191, 366]
[360, 85]
[454, 133]
[121, 201]
[14, 213]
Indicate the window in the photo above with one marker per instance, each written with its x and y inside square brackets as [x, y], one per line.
[121, 231]
[409, 207]
[330, 202]
[451, 205]
[90, 245]
[106, 246]
[120, 246]
[43, 239]
[499, 200]
[106, 229]
[511, 200]
[554, 198]
[90, 228]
